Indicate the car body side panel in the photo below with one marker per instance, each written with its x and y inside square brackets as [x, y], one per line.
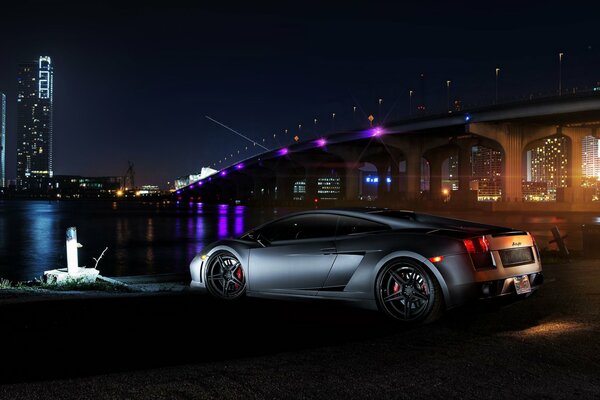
[299, 266]
[343, 268]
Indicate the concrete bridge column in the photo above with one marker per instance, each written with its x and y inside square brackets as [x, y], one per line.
[257, 189]
[413, 175]
[282, 182]
[311, 184]
[382, 172]
[465, 172]
[575, 192]
[402, 179]
[352, 183]
[395, 175]
[435, 176]
[513, 168]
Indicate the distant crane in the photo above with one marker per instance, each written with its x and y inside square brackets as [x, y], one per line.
[129, 178]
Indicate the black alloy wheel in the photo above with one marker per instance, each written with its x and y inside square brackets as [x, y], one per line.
[407, 292]
[225, 277]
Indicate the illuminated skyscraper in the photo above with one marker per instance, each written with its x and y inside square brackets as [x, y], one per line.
[487, 171]
[34, 122]
[590, 164]
[2, 140]
[548, 163]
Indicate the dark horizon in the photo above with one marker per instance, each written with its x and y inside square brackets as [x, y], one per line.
[134, 82]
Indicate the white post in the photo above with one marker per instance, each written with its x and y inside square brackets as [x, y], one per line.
[72, 245]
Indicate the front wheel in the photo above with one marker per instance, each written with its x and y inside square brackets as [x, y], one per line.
[407, 292]
[225, 277]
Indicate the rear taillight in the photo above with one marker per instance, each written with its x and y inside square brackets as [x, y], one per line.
[469, 245]
[477, 245]
[479, 251]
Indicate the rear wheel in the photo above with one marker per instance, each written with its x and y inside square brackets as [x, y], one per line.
[225, 277]
[406, 291]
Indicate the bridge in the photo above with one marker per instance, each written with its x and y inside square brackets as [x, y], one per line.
[404, 154]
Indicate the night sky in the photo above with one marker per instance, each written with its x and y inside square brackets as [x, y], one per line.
[134, 82]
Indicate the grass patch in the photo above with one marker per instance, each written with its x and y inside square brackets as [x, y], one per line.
[83, 286]
[71, 285]
[5, 284]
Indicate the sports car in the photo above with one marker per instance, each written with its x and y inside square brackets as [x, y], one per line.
[408, 265]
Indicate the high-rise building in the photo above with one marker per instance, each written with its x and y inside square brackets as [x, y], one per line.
[3, 140]
[487, 171]
[590, 163]
[34, 123]
[548, 163]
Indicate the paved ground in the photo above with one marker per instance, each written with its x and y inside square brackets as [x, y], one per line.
[181, 345]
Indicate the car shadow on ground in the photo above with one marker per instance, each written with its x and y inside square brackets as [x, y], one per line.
[79, 337]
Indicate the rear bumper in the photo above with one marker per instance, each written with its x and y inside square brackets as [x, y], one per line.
[491, 289]
[506, 287]
[465, 283]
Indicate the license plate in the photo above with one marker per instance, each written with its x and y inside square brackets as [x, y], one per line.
[522, 284]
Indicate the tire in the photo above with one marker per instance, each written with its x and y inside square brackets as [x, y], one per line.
[224, 276]
[407, 292]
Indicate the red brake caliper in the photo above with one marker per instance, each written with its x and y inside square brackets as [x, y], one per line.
[238, 274]
[396, 288]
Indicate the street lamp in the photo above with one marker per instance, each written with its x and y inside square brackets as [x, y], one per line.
[560, 57]
[497, 73]
[410, 93]
[448, 93]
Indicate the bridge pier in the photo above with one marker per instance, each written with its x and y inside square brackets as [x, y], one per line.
[413, 176]
[575, 192]
[465, 172]
[351, 182]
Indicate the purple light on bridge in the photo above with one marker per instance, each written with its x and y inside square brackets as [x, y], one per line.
[223, 173]
[200, 183]
[178, 192]
[321, 142]
[377, 131]
[239, 166]
[282, 152]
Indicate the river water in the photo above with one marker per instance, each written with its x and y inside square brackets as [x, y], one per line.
[150, 238]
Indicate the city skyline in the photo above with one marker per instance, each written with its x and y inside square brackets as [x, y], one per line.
[135, 81]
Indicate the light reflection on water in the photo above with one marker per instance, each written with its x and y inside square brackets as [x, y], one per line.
[150, 238]
[141, 238]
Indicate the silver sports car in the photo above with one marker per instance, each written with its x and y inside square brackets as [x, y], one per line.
[410, 266]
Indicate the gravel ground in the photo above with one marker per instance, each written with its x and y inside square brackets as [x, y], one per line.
[182, 345]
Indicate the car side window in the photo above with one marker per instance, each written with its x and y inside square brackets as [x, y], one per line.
[309, 226]
[351, 226]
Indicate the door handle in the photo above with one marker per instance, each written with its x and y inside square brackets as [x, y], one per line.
[328, 250]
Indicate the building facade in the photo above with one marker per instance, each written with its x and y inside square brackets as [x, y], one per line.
[3, 182]
[548, 163]
[34, 123]
[486, 167]
[590, 163]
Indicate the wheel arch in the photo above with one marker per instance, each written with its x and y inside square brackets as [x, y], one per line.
[422, 260]
[240, 253]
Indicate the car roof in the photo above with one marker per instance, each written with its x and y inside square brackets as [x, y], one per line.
[402, 219]
[396, 219]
